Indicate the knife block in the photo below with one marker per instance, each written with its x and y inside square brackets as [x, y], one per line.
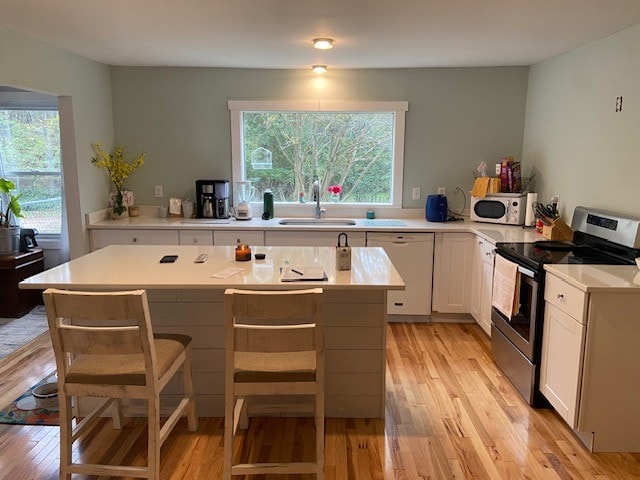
[559, 230]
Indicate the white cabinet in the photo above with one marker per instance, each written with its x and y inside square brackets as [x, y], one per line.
[311, 238]
[562, 342]
[482, 283]
[452, 272]
[196, 237]
[102, 238]
[562, 346]
[590, 357]
[412, 255]
[233, 237]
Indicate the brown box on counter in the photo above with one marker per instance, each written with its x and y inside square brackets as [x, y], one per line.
[559, 230]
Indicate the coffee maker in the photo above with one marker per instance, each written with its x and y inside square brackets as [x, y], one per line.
[212, 198]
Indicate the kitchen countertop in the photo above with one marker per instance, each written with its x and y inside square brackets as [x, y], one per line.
[599, 278]
[136, 266]
[491, 232]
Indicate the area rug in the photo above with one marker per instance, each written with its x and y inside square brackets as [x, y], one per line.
[12, 414]
[17, 332]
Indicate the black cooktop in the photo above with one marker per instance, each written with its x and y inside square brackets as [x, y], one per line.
[536, 254]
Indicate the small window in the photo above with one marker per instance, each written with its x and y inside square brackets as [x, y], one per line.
[355, 150]
[30, 158]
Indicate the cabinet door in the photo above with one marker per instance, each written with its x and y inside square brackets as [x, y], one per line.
[485, 293]
[312, 238]
[233, 237]
[561, 366]
[196, 237]
[453, 269]
[476, 278]
[102, 238]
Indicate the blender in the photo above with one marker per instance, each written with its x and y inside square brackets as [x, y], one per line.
[245, 192]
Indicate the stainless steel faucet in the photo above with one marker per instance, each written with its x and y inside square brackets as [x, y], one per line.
[316, 197]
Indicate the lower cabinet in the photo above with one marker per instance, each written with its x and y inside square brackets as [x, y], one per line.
[452, 272]
[562, 343]
[482, 283]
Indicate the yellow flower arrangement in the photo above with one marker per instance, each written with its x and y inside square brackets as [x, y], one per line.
[118, 170]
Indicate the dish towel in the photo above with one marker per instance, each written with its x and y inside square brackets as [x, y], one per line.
[506, 287]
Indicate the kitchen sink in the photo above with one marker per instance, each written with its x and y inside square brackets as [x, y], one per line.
[317, 221]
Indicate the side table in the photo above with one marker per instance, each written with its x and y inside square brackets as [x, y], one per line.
[13, 269]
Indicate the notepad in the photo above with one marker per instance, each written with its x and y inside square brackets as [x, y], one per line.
[301, 274]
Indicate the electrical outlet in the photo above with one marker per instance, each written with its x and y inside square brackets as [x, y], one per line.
[158, 191]
[416, 193]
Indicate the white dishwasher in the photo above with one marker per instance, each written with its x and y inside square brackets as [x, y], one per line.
[412, 255]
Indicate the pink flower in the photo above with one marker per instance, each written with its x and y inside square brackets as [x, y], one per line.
[335, 189]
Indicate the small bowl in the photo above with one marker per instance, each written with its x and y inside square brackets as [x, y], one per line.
[46, 395]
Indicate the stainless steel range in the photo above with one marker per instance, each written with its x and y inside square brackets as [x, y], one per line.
[601, 237]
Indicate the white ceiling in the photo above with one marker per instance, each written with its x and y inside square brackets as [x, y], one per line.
[278, 33]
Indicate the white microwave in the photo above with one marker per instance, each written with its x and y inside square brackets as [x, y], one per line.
[503, 208]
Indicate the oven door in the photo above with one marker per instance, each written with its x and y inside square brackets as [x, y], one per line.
[522, 329]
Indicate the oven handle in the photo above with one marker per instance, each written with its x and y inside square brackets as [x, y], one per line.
[526, 272]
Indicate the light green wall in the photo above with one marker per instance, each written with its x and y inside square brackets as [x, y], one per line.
[29, 64]
[457, 117]
[583, 150]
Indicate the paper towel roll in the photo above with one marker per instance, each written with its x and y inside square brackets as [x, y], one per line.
[529, 217]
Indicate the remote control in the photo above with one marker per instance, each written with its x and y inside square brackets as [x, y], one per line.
[201, 258]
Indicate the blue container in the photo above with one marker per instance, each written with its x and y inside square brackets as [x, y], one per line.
[436, 209]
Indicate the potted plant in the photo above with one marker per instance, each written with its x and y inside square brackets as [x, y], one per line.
[118, 170]
[9, 211]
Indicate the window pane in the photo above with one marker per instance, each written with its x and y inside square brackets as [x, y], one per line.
[287, 151]
[30, 156]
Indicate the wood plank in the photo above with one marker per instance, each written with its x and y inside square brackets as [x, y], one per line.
[449, 413]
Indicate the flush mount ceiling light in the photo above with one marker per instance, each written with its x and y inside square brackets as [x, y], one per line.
[323, 43]
[319, 68]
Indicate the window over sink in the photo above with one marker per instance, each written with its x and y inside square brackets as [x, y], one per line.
[355, 150]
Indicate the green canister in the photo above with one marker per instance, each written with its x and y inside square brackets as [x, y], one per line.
[267, 205]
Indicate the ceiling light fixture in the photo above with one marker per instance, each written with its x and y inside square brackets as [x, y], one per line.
[319, 68]
[323, 43]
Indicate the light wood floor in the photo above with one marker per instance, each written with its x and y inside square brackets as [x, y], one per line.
[450, 415]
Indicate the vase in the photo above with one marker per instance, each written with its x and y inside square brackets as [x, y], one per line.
[9, 240]
[118, 216]
[335, 197]
[127, 198]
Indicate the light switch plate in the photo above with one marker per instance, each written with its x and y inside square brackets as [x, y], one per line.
[416, 193]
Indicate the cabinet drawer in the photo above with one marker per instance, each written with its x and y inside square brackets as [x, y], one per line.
[103, 238]
[233, 237]
[312, 238]
[485, 250]
[565, 297]
[196, 237]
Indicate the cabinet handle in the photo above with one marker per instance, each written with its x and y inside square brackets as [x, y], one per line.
[560, 295]
[480, 242]
[488, 254]
[195, 240]
[398, 304]
[135, 239]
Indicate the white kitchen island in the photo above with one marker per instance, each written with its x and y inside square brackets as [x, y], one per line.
[185, 298]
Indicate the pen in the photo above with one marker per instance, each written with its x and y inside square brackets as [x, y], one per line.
[296, 271]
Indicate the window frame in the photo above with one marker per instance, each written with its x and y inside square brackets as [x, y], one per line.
[17, 99]
[398, 109]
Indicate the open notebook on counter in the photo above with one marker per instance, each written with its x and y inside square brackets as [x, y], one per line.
[301, 274]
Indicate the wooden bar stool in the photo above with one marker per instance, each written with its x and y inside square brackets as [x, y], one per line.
[104, 347]
[274, 346]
